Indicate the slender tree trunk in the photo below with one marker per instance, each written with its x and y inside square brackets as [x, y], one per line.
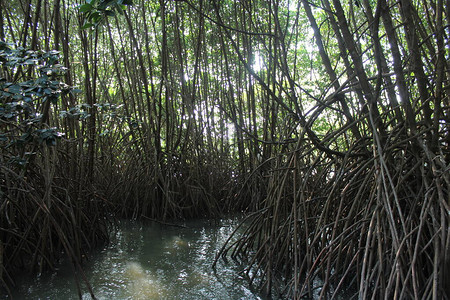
[89, 66]
[2, 24]
[398, 66]
[356, 57]
[27, 12]
[416, 64]
[380, 58]
[329, 69]
[34, 38]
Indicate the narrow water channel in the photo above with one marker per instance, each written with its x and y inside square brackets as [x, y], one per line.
[152, 261]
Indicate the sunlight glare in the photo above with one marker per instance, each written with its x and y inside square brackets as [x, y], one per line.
[258, 63]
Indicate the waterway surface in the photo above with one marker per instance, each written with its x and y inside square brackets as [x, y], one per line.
[152, 261]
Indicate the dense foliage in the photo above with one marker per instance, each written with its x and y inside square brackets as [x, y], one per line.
[326, 120]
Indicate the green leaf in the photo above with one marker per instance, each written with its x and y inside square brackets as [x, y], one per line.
[76, 91]
[105, 132]
[95, 17]
[87, 25]
[85, 8]
[120, 8]
[4, 46]
[31, 62]
[13, 89]
[110, 13]
[106, 3]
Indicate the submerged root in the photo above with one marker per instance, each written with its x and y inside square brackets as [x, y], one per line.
[367, 227]
[43, 219]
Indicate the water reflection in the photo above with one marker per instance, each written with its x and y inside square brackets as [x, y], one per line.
[153, 262]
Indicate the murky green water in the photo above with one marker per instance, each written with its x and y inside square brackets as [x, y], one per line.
[152, 262]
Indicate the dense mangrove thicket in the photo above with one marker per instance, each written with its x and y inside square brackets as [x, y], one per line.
[327, 121]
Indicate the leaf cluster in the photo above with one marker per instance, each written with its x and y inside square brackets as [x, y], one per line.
[29, 80]
[96, 11]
